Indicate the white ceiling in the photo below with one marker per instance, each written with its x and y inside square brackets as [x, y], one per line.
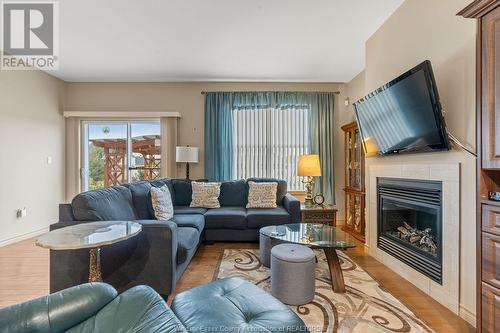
[217, 40]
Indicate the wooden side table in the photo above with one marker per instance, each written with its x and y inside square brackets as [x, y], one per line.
[324, 214]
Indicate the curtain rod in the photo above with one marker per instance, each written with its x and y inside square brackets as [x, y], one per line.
[286, 91]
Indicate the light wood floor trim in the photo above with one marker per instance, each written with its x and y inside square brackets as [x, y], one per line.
[24, 274]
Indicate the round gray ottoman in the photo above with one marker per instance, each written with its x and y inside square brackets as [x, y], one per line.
[292, 273]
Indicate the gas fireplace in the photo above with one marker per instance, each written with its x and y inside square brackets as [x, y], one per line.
[410, 223]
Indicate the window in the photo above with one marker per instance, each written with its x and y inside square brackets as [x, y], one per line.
[117, 152]
[268, 143]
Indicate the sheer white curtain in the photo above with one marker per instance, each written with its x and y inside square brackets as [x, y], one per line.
[268, 142]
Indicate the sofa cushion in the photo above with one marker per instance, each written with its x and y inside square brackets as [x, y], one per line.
[262, 217]
[205, 194]
[262, 195]
[235, 304]
[187, 238]
[226, 218]
[282, 187]
[182, 191]
[233, 193]
[107, 204]
[141, 199]
[190, 220]
[162, 203]
[182, 210]
[141, 196]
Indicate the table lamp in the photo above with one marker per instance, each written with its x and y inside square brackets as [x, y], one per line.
[309, 167]
[186, 155]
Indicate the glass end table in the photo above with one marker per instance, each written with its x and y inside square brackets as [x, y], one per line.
[318, 236]
[92, 236]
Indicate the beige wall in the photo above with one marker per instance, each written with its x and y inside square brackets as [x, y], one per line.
[31, 129]
[185, 98]
[429, 29]
[353, 90]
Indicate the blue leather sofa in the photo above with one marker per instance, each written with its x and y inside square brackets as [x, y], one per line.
[228, 305]
[158, 256]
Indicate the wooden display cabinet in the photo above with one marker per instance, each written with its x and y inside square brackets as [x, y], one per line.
[354, 189]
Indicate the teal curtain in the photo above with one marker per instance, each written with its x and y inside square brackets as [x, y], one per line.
[219, 136]
[219, 108]
[322, 131]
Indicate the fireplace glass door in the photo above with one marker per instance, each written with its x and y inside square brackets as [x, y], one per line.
[413, 225]
[410, 223]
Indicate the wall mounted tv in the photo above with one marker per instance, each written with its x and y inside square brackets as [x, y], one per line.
[403, 116]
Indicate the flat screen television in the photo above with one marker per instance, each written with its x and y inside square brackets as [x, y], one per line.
[403, 116]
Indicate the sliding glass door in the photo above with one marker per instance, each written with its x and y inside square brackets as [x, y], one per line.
[118, 152]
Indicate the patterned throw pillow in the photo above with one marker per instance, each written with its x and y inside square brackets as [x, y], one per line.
[262, 195]
[205, 195]
[162, 203]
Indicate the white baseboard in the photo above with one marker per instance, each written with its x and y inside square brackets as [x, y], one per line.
[467, 315]
[22, 237]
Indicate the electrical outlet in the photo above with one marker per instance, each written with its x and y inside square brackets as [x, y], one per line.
[49, 159]
[22, 212]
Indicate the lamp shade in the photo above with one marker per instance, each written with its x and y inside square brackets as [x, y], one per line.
[309, 165]
[186, 154]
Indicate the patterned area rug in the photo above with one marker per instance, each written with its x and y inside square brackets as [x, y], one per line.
[365, 307]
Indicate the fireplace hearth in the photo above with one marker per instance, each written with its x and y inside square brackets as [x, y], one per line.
[410, 223]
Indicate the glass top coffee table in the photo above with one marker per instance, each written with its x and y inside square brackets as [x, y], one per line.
[319, 236]
[92, 236]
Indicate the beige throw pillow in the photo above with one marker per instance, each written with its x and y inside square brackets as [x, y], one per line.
[262, 195]
[162, 203]
[205, 195]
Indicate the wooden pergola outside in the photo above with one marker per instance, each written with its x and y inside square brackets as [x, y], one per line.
[115, 155]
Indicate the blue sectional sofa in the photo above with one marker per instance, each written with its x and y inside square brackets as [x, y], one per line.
[158, 256]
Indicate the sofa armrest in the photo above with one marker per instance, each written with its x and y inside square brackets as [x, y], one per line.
[156, 255]
[292, 205]
[59, 311]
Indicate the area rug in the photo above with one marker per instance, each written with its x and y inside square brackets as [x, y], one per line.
[365, 307]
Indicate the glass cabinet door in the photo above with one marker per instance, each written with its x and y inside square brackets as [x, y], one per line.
[348, 168]
[354, 182]
[357, 211]
[349, 210]
[353, 158]
[357, 159]
[354, 212]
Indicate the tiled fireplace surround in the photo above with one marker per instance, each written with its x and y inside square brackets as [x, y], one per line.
[449, 174]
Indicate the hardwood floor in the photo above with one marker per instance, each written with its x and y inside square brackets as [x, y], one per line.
[24, 271]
